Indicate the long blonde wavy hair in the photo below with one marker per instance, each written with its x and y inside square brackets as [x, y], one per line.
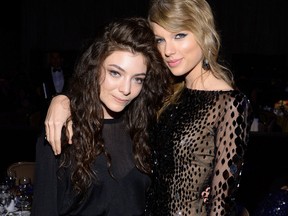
[195, 16]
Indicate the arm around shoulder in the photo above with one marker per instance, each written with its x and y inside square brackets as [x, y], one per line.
[57, 116]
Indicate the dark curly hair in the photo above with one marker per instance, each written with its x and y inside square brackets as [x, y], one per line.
[129, 34]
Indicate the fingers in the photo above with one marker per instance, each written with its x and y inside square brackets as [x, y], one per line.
[205, 194]
[69, 132]
[53, 135]
[57, 114]
[57, 137]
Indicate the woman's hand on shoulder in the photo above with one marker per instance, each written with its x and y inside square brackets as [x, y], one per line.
[57, 114]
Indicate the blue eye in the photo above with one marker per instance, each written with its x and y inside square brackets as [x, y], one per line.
[180, 35]
[139, 80]
[114, 73]
[159, 40]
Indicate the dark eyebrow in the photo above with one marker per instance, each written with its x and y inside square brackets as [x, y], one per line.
[116, 66]
[113, 65]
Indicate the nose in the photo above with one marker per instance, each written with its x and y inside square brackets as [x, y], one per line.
[169, 49]
[125, 87]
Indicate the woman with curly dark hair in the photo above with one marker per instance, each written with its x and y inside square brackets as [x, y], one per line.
[116, 90]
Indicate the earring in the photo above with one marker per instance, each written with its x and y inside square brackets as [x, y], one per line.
[205, 64]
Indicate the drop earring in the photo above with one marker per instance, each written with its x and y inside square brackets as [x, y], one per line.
[205, 64]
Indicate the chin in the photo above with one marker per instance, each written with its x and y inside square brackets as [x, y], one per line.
[176, 72]
[117, 109]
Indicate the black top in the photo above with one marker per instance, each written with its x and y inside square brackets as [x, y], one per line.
[199, 143]
[122, 195]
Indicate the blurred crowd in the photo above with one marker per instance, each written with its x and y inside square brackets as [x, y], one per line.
[20, 103]
[25, 97]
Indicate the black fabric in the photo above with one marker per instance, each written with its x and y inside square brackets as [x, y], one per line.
[122, 195]
[199, 142]
[45, 182]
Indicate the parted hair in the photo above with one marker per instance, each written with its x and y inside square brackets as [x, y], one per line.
[128, 34]
[195, 16]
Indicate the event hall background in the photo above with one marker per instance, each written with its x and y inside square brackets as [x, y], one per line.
[254, 44]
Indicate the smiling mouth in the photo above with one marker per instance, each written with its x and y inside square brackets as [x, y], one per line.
[123, 101]
[173, 63]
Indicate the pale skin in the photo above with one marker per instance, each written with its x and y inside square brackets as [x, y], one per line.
[122, 77]
[181, 53]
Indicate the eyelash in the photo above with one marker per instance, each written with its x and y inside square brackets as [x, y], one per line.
[180, 35]
[139, 80]
[158, 40]
[177, 36]
[117, 74]
[113, 73]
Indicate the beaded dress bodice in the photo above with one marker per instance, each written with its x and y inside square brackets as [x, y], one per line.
[199, 142]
